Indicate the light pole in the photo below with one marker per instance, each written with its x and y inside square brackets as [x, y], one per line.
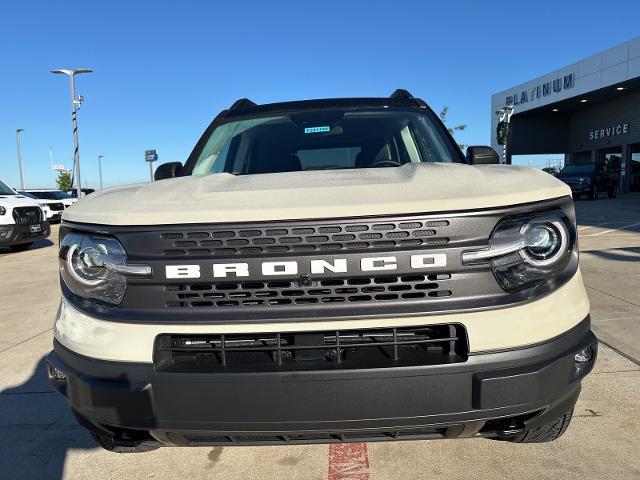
[75, 104]
[504, 116]
[53, 175]
[100, 169]
[20, 165]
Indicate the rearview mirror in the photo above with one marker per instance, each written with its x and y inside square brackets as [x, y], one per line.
[168, 170]
[482, 156]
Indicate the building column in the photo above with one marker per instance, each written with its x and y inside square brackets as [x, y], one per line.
[625, 166]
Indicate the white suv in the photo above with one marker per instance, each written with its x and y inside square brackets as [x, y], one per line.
[52, 195]
[52, 208]
[22, 220]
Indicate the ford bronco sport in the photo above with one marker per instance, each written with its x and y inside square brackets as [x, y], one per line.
[323, 271]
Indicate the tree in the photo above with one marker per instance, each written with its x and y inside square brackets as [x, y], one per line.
[64, 181]
[452, 130]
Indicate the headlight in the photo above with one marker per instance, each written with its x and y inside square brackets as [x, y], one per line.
[96, 267]
[528, 250]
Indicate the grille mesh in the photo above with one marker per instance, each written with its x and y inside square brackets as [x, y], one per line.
[367, 348]
[324, 292]
[27, 215]
[307, 238]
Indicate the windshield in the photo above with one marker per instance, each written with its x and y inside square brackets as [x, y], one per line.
[27, 194]
[324, 140]
[6, 190]
[51, 195]
[579, 169]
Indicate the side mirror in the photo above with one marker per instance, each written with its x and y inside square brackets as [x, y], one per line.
[482, 156]
[168, 170]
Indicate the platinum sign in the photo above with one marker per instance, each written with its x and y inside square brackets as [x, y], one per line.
[543, 90]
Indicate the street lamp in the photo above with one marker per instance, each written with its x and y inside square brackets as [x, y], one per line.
[100, 169]
[504, 115]
[75, 104]
[20, 165]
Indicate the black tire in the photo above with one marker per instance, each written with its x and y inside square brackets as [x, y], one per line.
[120, 447]
[613, 192]
[546, 433]
[593, 194]
[21, 247]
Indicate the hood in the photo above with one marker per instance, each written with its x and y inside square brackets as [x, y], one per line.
[222, 197]
[17, 201]
[44, 201]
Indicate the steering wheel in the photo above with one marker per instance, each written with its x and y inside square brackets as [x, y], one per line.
[384, 163]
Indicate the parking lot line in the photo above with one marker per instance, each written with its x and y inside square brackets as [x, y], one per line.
[594, 226]
[612, 229]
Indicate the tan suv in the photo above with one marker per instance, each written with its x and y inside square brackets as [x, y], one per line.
[323, 271]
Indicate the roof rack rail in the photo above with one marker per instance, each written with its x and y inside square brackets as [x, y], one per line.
[401, 93]
[242, 103]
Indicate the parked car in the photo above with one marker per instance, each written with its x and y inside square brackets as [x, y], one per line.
[52, 208]
[590, 179]
[323, 271]
[85, 192]
[53, 194]
[22, 220]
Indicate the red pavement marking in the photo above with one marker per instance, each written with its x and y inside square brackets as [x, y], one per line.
[348, 461]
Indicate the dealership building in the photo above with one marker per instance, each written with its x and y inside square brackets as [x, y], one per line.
[589, 111]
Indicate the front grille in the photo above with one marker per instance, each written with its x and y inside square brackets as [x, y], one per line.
[289, 351]
[185, 288]
[324, 292]
[310, 237]
[27, 215]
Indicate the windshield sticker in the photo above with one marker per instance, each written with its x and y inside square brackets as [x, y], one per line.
[317, 129]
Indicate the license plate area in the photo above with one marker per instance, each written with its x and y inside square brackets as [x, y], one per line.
[35, 228]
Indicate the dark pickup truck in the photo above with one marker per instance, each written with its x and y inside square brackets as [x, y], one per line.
[590, 179]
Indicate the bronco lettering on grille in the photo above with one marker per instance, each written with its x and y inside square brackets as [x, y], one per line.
[290, 267]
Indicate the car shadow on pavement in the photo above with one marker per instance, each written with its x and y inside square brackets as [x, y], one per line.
[36, 246]
[37, 430]
[622, 254]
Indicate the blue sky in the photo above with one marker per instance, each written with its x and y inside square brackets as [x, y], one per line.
[163, 70]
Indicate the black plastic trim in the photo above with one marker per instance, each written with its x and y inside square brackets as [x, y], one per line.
[530, 384]
[15, 234]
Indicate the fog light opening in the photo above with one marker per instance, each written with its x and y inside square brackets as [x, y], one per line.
[56, 375]
[584, 356]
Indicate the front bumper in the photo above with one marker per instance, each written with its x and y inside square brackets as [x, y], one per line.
[491, 394]
[54, 216]
[580, 188]
[17, 234]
